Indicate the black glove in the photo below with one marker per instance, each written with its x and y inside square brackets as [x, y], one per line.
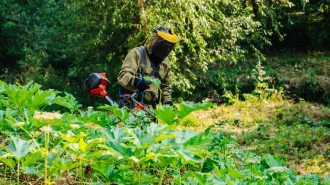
[141, 85]
[170, 103]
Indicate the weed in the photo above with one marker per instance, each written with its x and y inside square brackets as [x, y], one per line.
[190, 121]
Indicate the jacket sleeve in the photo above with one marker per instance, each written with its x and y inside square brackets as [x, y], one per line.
[129, 70]
[166, 87]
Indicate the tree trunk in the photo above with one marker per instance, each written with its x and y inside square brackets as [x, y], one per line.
[143, 21]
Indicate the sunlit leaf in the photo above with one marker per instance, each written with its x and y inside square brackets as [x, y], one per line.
[9, 162]
[82, 145]
[167, 114]
[73, 139]
[187, 107]
[155, 81]
[236, 174]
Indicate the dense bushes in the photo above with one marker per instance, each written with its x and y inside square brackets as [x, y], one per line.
[59, 43]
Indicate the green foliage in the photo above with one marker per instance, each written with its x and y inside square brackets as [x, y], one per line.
[301, 75]
[214, 32]
[262, 81]
[62, 42]
[59, 44]
[230, 97]
[171, 115]
[142, 154]
[295, 133]
[31, 95]
[190, 121]
[305, 28]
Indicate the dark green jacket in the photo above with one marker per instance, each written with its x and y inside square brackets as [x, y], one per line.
[131, 70]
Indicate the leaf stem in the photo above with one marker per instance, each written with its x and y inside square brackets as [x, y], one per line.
[179, 175]
[81, 171]
[18, 172]
[46, 156]
[162, 176]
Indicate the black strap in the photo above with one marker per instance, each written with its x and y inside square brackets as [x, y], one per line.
[143, 61]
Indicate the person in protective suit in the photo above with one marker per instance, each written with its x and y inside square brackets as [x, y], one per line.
[157, 65]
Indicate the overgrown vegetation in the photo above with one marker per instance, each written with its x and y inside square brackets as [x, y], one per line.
[297, 132]
[297, 76]
[88, 146]
[259, 62]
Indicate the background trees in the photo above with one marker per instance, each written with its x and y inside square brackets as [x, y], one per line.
[58, 43]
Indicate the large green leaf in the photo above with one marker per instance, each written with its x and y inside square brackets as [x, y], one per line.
[31, 159]
[327, 180]
[187, 107]
[20, 148]
[155, 81]
[123, 114]
[115, 134]
[69, 101]
[30, 96]
[108, 171]
[87, 146]
[187, 154]
[64, 163]
[118, 149]
[201, 178]
[8, 161]
[201, 139]
[271, 161]
[154, 128]
[140, 138]
[183, 136]
[30, 170]
[42, 98]
[236, 174]
[167, 114]
[73, 138]
[24, 94]
[100, 117]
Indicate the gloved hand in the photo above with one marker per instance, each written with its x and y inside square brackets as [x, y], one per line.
[141, 85]
[170, 103]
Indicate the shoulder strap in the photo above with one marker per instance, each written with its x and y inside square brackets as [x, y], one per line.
[143, 61]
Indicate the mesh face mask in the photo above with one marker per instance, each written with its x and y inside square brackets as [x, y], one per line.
[164, 43]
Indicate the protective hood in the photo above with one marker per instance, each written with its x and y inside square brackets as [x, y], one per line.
[161, 43]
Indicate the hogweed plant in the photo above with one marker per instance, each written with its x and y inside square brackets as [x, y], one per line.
[90, 146]
[46, 130]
